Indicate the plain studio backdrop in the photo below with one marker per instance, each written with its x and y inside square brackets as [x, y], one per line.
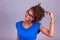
[12, 11]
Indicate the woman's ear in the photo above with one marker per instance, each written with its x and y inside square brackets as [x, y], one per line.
[33, 20]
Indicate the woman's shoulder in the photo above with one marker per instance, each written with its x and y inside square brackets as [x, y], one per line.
[18, 22]
[38, 22]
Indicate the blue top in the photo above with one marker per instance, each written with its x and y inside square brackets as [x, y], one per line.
[27, 33]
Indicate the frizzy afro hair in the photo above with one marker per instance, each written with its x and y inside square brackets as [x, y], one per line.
[38, 11]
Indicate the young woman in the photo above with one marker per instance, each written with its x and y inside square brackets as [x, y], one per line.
[29, 28]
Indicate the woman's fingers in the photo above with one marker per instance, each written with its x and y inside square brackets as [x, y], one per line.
[50, 13]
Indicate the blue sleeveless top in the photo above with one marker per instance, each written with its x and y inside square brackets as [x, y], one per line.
[27, 33]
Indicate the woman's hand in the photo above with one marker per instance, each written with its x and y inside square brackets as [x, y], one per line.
[50, 13]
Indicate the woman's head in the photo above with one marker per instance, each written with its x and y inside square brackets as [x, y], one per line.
[35, 13]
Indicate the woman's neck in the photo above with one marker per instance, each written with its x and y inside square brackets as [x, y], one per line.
[27, 22]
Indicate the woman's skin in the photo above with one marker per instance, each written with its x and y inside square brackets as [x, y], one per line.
[27, 23]
[50, 32]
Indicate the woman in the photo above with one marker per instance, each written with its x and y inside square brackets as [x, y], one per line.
[29, 28]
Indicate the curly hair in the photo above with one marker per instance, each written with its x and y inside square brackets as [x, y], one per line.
[38, 12]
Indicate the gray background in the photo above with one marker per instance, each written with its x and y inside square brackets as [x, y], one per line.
[12, 11]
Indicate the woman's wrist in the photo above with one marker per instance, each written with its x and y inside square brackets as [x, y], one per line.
[52, 20]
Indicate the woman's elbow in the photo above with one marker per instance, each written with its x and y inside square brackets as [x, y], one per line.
[51, 36]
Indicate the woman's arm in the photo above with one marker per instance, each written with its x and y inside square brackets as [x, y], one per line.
[49, 32]
[17, 38]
